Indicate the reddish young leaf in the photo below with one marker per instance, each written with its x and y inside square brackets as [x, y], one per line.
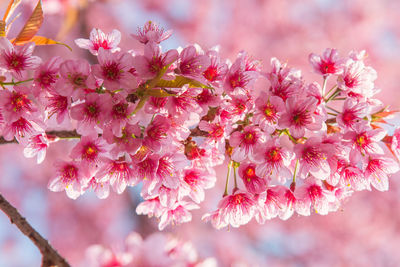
[32, 26]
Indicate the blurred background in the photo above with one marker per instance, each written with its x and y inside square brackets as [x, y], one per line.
[366, 232]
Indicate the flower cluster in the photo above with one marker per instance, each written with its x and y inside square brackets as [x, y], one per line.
[167, 118]
[156, 250]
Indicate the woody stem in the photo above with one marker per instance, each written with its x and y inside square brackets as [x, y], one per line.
[50, 256]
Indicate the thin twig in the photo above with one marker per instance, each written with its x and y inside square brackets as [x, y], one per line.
[50, 256]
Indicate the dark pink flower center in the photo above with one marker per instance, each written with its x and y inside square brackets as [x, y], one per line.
[69, 174]
[273, 155]
[15, 61]
[328, 67]
[191, 178]
[20, 101]
[47, 78]
[90, 152]
[119, 111]
[313, 155]
[211, 73]
[249, 173]
[92, 110]
[101, 43]
[238, 79]
[112, 71]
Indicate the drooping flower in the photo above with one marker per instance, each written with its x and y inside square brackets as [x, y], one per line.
[177, 214]
[70, 178]
[237, 209]
[195, 181]
[253, 183]
[37, 146]
[270, 202]
[118, 173]
[378, 169]
[311, 194]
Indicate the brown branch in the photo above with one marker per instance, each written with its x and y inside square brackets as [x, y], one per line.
[50, 255]
[196, 132]
[51, 135]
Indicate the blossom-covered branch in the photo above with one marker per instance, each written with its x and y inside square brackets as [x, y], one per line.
[50, 256]
[167, 118]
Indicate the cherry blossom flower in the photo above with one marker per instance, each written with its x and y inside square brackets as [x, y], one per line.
[17, 59]
[312, 194]
[268, 112]
[151, 32]
[245, 142]
[192, 64]
[47, 74]
[177, 214]
[118, 173]
[313, 157]
[195, 181]
[252, 182]
[378, 169]
[98, 39]
[37, 146]
[273, 159]
[70, 178]
[113, 69]
[269, 204]
[327, 64]
[353, 113]
[153, 60]
[237, 209]
[300, 116]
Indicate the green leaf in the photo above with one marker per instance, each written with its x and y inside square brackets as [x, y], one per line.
[179, 82]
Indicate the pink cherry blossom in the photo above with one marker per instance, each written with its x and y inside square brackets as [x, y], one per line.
[192, 64]
[98, 39]
[378, 169]
[300, 116]
[17, 59]
[153, 60]
[177, 214]
[268, 112]
[245, 142]
[327, 64]
[46, 75]
[70, 178]
[37, 146]
[113, 69]
[237, 209]
[195, 181]
[151, 32]
[311, 194]
[252, 182]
